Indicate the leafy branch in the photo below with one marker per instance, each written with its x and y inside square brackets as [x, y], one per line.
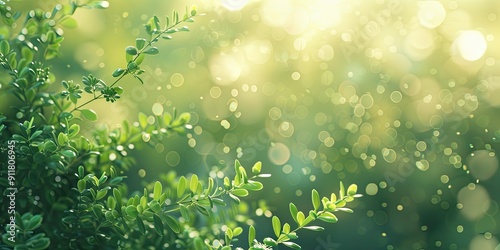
[135, 55]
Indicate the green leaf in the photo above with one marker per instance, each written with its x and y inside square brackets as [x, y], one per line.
[292, 245]
[89, 114]
[251, 235]
[118, 72]
[62, 138]
[351, 191]
[253, 185]
[140, 43]
[157, 191]
[81, 185]
[37, 244]
[181, 186]
[152, 51]
[193, 185]
[276, 226]
[4, 47]
[300, 218]
[270, 242]
[257, 168]
[172, 223]
[131, 50]
[315, 199]
[155, 206]
[328, 217]
[118, 196]
[198, 244]
[235, 198]
[68, 153]
[341, 191]
[140, 225]
[314, 228]
[131, 211]
[73, 131]
[81, 171]
[184, 212]
[143, 120]
[193, 10]
[33, 223]
[237, 231]
[37, 133]
[158, 225]
[240, 192]
[229, 233]
[293, 211]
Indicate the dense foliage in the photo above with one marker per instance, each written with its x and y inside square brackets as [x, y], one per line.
[65, 185]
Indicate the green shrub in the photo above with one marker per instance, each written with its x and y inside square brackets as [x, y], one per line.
[61, 188]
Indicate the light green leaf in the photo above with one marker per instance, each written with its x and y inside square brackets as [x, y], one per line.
[328, 217]
[293, 211]
[81, 185]
[257, 167]
[193, 184]
[181, 186]
[300, 218]
[157, 191]
[341, 191]
[143, 120]
[237, 231]
[351, 191]
[240, 192]
[276, 226]
[315, 199]
[89, 114]
[184, 212]
[251, 235]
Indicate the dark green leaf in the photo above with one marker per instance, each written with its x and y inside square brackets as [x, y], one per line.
[33, 223]
[158, 224]
[152, 51]
[140, 43]
[118, 72]
[140, 225]
[131, 50]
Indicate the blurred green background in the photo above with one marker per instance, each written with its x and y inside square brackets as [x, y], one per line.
[400, 97]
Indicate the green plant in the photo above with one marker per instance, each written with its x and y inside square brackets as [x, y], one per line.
[88, 206]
